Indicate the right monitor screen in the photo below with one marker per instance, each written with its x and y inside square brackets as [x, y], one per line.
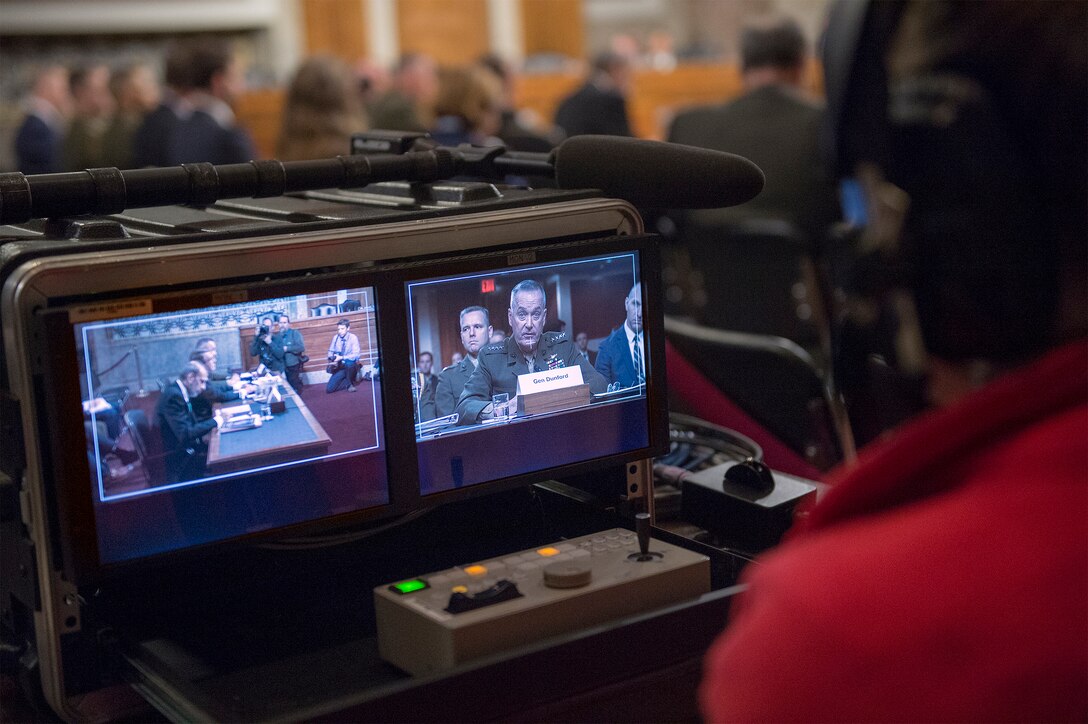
[527, 368]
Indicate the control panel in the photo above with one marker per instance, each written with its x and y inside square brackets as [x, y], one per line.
[437, 621]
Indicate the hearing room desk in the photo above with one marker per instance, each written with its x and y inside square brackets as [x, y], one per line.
[290, 435]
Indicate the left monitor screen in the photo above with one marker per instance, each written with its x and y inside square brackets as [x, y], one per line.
[212, 423]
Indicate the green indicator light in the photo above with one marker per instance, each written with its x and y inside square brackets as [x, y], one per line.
[409, 586]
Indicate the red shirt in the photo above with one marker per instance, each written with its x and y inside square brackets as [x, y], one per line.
[944, 577]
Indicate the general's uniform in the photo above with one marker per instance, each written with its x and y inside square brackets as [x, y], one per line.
[500, 365]
[451, 382]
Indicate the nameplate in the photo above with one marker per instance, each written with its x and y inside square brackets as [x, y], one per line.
[548, 380]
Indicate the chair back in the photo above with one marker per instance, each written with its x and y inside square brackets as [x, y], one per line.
[774, 381]
[757, 276]
[139, 429]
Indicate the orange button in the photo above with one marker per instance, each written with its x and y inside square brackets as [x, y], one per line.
[459, 589]
[476, 570]
[547, 552]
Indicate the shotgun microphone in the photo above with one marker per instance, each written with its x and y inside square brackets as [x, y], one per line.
[646, 173]
[652, 173]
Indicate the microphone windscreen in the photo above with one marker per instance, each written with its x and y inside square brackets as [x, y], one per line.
[656, 174]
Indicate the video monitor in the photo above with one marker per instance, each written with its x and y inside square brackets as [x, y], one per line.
[528, 368]
[204, 424]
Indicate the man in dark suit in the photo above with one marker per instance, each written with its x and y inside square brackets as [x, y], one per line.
[581, 343]
[528, 349]
[776, 126]
[39, 142]
[195, 122]
[475, 332]
[621, 359]
[599, 106]
[184, 426]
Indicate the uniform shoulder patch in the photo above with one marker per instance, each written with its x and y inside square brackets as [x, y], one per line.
[492, 348]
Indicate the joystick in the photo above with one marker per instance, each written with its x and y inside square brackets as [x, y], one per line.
[642, 530]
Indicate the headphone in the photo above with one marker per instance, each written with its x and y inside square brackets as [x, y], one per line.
[965, 121]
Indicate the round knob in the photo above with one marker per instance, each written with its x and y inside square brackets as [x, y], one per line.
[567, 574]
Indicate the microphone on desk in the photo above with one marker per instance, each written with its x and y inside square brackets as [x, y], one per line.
[646, 173]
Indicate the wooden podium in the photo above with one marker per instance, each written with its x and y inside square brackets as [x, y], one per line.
[563, 398]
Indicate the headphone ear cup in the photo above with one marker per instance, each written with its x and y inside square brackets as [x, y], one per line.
[982, 262]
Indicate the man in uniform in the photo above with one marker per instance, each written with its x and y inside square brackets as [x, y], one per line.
[528, 349]
[475, 333]
[621, 358]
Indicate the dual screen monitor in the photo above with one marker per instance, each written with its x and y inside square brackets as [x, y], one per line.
[209, 423]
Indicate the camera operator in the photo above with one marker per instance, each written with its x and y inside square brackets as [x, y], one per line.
[944, 576]
[267, 347]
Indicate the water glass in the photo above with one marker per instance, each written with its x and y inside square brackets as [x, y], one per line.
[500, 405]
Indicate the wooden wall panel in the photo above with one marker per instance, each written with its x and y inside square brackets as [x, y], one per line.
[542, 92]
[453, 32]
[336, 27]
[657, 97]
[258, 112]
[553, 26]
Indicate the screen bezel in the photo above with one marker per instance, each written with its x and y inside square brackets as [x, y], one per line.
[39, 293]
[59, 431]
[653, 323]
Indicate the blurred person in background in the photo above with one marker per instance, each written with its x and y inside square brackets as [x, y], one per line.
[92, 112]
[409, 104]
[373, 79]
[196, 123]
[323, 108]
[136, 92]
[39, 141]
[468, 108]
[774, 124]
[600, 105]
[518, 130]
